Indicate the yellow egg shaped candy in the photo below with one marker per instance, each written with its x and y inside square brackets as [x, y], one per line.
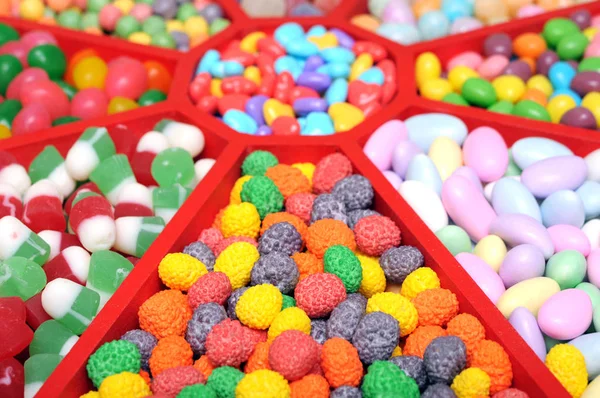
[446, 154]
[427, 67]
[492, 250]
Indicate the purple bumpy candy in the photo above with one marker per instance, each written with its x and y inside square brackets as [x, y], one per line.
[344, 318]
[545, 61]
[144, 341]
[304, 106]
[375, 337]
[205, 317]
[277, 269]
[498, 44]
[281, 237]
[165, 8]
[328, 206]
[356, 215]
[579, 117]
[444, 358]
[201, 252]
[210, 12]
[413, 367]
[346, 392]
[232, 302]
[254, 108]
[317, 81]
[355, 191]
[438, 391]
[398, 262]
[318, 330]
[313, 63]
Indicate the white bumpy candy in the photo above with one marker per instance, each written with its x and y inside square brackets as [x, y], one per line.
[93, 221]
[89, 150]
[49, 164]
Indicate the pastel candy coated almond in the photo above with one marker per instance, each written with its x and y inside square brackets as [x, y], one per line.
[425, 202]
[531, 294]
[485, 277]
[380, 146]
[424, 129]
[510, 196]
[402, 155]
[527, 151]
[526, 325]
[516, 229]
[553, 174]
[485, 152]
[521, 263]
[446, 155]
[589, 345]
[566, 315]
[563, 207]
[421, 168]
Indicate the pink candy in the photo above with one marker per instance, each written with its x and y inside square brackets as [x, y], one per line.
[89, 103]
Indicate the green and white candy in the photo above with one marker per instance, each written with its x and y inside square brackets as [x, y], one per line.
[111, 175]
[136, 234]
[107, 271]
[173, 166]
[37, 370]
[21, 277]
[89, 150]
[182, 135]
[166, 201]
[51, 337]
[16, 240]
[51, 165]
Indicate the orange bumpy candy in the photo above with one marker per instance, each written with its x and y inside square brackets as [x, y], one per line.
[490, 357]
[217, 223]
[274, 218]
[170, 352]
[310, 386]
[259, 359]
[417, 341]
[326, 233]
[436, 306]
[340, 363]
[204, 366]
[165, 314]
[467, 328]
[307, 264]
[288, 179]
[146, 377]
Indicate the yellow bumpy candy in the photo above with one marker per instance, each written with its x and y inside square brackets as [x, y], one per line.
[345, 116]
[397, 306]
[308, 169]
[419, 280]
[427, 67]
[263, 383]
[90, 394]
[179, 271]
[236, 261]
[373, 277]
[567, 364]
[259, 306]
[124, 385]
[292, 318]
[471, 383]
[234, 196]
[240, 220]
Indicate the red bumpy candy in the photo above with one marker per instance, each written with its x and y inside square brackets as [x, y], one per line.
[330, 170]
[300, 204]
[172, 381]
[211, 287]
[293, 354]
[375, 234]
[211, 237]
[319, 294]
[228, 344]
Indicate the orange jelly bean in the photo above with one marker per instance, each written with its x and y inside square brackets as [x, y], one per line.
[536, 96]
[529, 45]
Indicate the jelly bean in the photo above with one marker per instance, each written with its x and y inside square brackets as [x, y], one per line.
[489, 282]
[557, 28]
[561, 74]
[479, 92]
[240, 121]
[579, 117]
[285, 125]
[426, 203]
[459, 75]
[272, 109]
[283, 87]
[531, 110]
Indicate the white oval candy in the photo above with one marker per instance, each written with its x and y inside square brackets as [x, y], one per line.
[426, 203]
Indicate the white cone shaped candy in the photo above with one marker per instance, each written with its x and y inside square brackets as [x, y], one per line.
[89, 150]
[136, 234]
[112, 175]
[182, 135]
[135, 200]
[202, 167]
[58, 241]
[13, 174]
[51, 165]
[93, 222]
[16, 240]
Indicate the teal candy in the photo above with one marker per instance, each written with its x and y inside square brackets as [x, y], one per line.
[592, 291]
[563, 207]
[589, 193]
[288, 64]
[223, 69]
[337, 92]
[335, 70]
[455, 239]
[316, 31]
[318, 123]
[421, 168]
[288, 32]
[208, 60]
[240, 121]
[454, 9]
[302, 124]
[301, 48]
[433, 24]
[338, 54]
[567, 268]
[372, 75]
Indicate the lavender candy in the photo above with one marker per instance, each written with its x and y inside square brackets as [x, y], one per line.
[344, 39]
[317, 81]
[304, 106]
[210, 12]
[264, 131]
[254, 108]
[313, 63]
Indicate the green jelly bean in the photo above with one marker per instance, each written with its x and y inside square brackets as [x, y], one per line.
[70, 19]
[504, 107]
[65, 120]
[21, 277]
[512, 169]
[96, 5]
[69, 90]
[173, 166]
[10, 67]
[456, 99]
[163, 39]
[479, 92]
[531, 110]
[154, 25]
[455, 239]
[50, 58]
[572, 47]
[186, 11]
[7, 33]
[557, 28]
[8, 111]
[90, 20]
[218, 25]
[151, 97]
[567, 268]
[590, 64]
[592, 291]
[126, 25]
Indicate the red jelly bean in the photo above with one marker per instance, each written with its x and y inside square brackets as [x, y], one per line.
[36, 315]
[370, 108]
[267, 85]
[377, 51]
[265, 65]
[235, 54]
[270, 46]
[14, 332]
[12, 382]
[362, 94]
[285, 125]
[389, 80]
[200, 86]
[232, 101]
[208, 104]
[238, 85]
[283, 87]
[302, 92]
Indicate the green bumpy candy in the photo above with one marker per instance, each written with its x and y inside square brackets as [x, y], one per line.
[567, 268]
[218, 25]
[262, 192]
[343, 263]
[8, 111]
[558, 28]
[186, 11]
[455, 239]
[224, 380]
[384, 379]
[456, 99]
[163, 39]
[257, 163]
[531, 110]
[65, 120]
[503, 107]
[479, 92]
[512, 169]
[126, 25]
[50, 58]
[590, 64]
[7, 33]
[288, 302]
[152, 97]
[154, 25]
[572, 47]
[173, 166]
[10, 67]
[197, 391]
[21, 277]
[113, 358]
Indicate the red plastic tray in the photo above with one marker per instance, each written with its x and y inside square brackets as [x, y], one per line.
[230, 148]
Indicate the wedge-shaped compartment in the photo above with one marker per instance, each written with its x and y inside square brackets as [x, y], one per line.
[70, 378]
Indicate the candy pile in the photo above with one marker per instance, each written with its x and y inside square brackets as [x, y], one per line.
[290, 8]
[293, 82]
[180, 24]
[408, 22]
[40, 87]
[553, 76]
[523, 222]
[300, 289]
[55, 282]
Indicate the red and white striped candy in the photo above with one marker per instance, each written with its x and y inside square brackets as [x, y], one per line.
[10, 202]
[58, 241]
[88, 186]
[134, 200]
[12, 173]
[73, 263]
[147, 148]
[93, 222]
[43, 207]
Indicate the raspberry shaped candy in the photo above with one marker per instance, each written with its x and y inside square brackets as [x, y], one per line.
[355, 191]
[287, 302]
[445, 357]
[340, 363]
[258, 306]
[311, 385]
[204, 366]
[331, 169]
[288, 179]
[386, 379]
[436, 306]
[234, 195]
[281, 237]
[112, 358]
[263, 383]
[346, 392]
[259, 358]
[413, 367]
[419, 280]
[319, 294]
[170, 352]
[264, 194]
[471, 382]
[124, 384]
[166, 313]
[213, 287]
[307, 264]
[277, 269]
[197, 391]
[225, 243]
[300, 205]
[224, 380]
[373, 277]
[318, 330]
[205, 317]
[376, 337]
[236, 262]
[468, 328]
[232, 302]
[145, 343]
[398, 262]
[417, 341]
[345, 318]
[240, 220]
[510, 393]
[292, 318]
[397, 306]
[293, 354]
[201, 252]
[256, 336]
[438, 391]
[307, 168]
[257, 163]
[227, 344]
[211, 238]
[275, 218]
[342, 262]
[179, 271]
[376, 234]
[490, 357]
[326, 233]
[567, 364]
[328, 206]
[173, 380]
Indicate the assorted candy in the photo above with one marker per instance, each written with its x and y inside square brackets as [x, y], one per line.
[269, 304]
[290, 8]
[408, 22]
[40, 87]
[62, 260]
[293, 82]
[553, 76]
[177, 24]
[522, 221]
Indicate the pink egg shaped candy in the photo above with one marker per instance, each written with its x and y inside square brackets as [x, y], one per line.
[486, 153]
[27, 76]
[486, 278]
[471, 59]
[48, 94]
[37, 38]
[593, 50]
[529, 11]
[141, 12]
[127, 79]
[17, 49]
[31, 119]
[398, 11]
[380, 146]
[566, 315]
[569, 237]
[492, 66]
[593, 267]
[109, 16]
[89, 103]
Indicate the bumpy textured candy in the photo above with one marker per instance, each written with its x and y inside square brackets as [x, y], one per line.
[240, 220]
[281, 237]
[438, 391]
[413, 367]
[232, 302]
[318, 330]
[385, 378]
[345, 318]
[341, 363]
[312, 385]
[277, 269]
[376, 234]
[197, 391]
[145, 343]
[202, 252]
[398, 262]
[257, 163]
[180, 271]
[346, 392]
[355, 216]
[224, 380]
[331, 169]
[328, 206]
[171, 381]
[170, 352]
[436, 306]
[262, 192]
[125, 383]
[355, 191]
[300, 205]
[418, 281]
[227, 344]
[288, 179]
[292, 318]
[258, 306]
[319, 294]
[490, 357]
[445, 357]
[293, 354]
[211, 287]
[164, 314]
[113, 358]
[342, 262]
[375, 337]
[397, 306]
[326, 233]
[263, 382]
[471, 382]
[236, 261]
[205, 317]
